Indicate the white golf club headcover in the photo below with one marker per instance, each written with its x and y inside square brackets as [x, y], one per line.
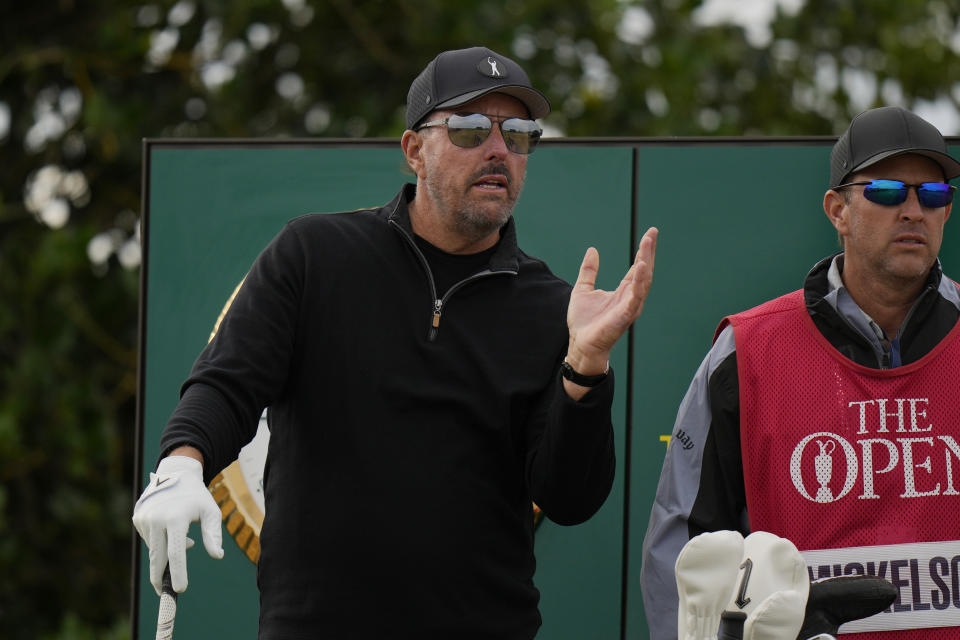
[706, 571]
[777, 617]
[771, 588]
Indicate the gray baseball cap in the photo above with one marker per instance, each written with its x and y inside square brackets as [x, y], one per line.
[456, 77]
[885, 132]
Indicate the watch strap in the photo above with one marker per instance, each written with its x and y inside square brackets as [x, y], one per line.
[573, 376]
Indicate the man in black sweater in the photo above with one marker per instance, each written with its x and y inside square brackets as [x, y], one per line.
[425, 378]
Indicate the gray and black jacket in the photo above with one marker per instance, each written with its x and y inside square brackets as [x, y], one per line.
[701, 485]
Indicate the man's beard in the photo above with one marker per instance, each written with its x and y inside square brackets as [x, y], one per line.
[473, 219]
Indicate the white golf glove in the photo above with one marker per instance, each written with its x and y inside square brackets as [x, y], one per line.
[175, 497]
[771, 588]
[706, 571]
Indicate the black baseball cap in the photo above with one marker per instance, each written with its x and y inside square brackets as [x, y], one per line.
[885, 132]
[456, 77]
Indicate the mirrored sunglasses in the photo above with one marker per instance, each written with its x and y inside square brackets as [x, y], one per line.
[468, 131]
[932, 195]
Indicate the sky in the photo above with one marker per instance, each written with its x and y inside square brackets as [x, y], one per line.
[755, 17]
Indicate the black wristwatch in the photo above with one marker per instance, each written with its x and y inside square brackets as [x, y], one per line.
[570, 374]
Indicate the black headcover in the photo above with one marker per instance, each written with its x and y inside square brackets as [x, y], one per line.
[835, 601]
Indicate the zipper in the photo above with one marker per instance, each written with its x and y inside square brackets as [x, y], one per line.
[883, 360]
[896, 354]
[437, 307]
[440, 302]
[883, 354]
[888, 351]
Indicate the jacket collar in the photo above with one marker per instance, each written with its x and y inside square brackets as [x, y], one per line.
[505, 258]
[817, 285]
[823, 294]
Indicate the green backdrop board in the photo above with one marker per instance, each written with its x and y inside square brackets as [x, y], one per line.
[741, 221]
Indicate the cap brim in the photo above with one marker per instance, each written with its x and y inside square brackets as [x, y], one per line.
[536, 103]
[951, 168]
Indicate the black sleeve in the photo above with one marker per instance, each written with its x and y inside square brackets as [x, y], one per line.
[245, 366]
[721, 497]
[571, 462]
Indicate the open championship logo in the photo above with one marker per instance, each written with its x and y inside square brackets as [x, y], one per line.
[825, 466]
[825, 446]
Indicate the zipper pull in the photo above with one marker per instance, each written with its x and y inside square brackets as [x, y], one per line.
[435, 324]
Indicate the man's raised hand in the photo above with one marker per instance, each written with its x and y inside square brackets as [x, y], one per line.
[597, 318]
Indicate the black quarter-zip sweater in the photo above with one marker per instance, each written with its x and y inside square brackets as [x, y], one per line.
[409, 430]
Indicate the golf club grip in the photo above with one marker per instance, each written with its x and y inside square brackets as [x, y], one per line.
[168, 608]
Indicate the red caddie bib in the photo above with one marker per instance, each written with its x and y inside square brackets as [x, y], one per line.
[859, 467]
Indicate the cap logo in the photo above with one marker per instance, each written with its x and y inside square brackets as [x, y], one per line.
[491, 68]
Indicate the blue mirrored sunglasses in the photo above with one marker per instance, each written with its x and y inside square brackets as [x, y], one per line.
[932, 195]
